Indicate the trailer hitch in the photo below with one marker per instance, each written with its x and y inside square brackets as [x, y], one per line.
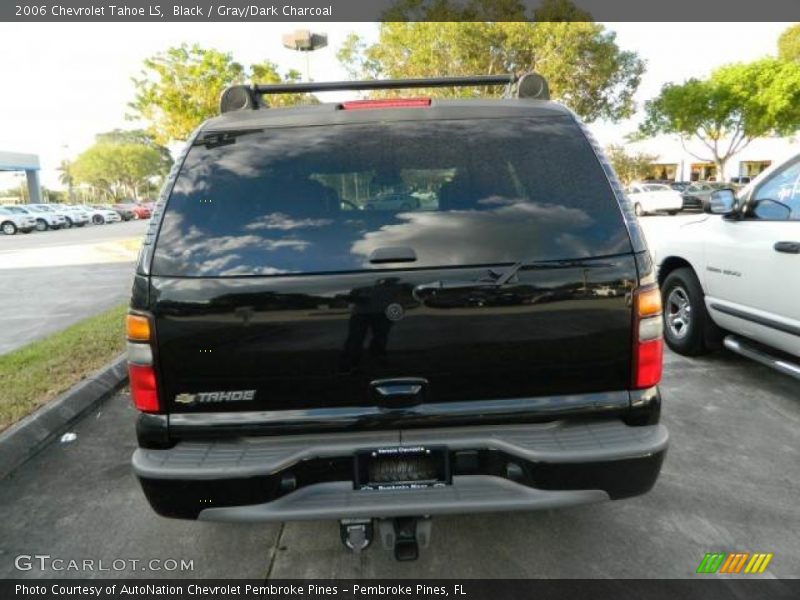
[405, 536]
[402, 535]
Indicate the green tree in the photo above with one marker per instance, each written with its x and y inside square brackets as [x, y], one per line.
[138, 137]
[789, 43]
[725, 112]
[581, 60]
[629, 166]
[119, 165]
[180, 88]
[54, 196]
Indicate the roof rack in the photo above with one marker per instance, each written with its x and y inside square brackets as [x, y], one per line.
[241, 97]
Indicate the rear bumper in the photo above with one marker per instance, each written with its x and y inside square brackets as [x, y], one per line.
[467, 494]
[692, 202]
[494, 468]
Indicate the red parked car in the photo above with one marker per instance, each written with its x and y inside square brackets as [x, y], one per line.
[142, 211]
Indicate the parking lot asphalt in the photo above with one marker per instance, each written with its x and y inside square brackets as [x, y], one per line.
[79, 272]
[73, 236]
[729, 483]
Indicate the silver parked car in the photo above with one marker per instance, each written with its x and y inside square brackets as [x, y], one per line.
[44, 218]
[11, 221]
[100, 216]
[77, 214]
[78, 218]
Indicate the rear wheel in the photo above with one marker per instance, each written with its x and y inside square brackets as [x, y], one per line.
[685, 316]
[67, 223]
[9, 228]
[98, 219]
[41, 225]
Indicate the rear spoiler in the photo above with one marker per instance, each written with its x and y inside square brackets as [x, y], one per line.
[243, 97]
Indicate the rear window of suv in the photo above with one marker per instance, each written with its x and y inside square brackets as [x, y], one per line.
[321, 199]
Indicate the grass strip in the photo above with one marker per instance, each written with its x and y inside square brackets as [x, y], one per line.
[34, 374]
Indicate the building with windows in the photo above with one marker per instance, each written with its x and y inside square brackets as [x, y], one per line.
[676, 163]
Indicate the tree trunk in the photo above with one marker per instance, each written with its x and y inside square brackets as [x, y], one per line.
[720, 164]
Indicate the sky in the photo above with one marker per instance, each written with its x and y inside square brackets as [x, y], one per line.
[63, 83]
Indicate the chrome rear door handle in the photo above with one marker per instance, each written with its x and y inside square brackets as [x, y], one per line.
[400, 387]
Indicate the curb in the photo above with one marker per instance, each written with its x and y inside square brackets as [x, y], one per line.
[25, 438]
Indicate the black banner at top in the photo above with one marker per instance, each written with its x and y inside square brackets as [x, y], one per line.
[397, 10]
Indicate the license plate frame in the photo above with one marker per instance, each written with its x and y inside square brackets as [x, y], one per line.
[434, 461]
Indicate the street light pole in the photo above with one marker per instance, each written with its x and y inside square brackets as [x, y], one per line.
[306, 42]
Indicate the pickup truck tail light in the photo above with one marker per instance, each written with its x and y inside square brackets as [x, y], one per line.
[142, 374]
[648, 341]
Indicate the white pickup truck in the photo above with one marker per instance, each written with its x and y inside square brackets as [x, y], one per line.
[732, 276]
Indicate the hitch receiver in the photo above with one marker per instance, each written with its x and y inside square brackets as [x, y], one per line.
[405, 536]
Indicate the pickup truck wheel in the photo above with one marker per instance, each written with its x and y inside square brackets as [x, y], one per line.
[685, 315]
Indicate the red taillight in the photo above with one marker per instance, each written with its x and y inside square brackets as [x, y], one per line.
[143, 388]
[648, 343]
[386, 103]
[647, 363]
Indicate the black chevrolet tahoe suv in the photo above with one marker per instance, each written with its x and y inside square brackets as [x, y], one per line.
[377, 311]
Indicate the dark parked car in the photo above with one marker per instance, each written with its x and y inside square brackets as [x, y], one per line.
[697, 195]
[124, 212]
[679, 186]
[294, 356]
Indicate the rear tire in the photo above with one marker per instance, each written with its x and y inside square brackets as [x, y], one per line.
[686, 320]
[67, 223]
[98, 220]
[41, 225]
[9, 228]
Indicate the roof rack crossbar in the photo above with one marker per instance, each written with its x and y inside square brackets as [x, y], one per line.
[241, 97]
[383, 84]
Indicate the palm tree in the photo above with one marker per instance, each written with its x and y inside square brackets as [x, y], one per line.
[66, 178]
